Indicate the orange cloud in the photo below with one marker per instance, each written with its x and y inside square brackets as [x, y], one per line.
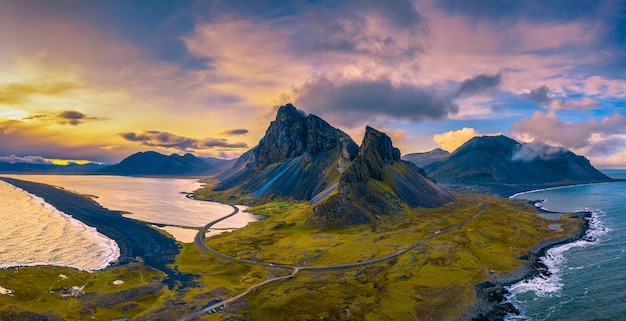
[20, 92]
[453, 139]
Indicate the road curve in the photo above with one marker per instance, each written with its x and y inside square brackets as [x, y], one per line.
[206, 310]
[200, 243]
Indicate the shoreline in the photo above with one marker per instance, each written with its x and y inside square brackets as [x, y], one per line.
[137, 241]
[491, 302]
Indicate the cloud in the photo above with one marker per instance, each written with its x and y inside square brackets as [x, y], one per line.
[12, 159]
[531, 151]
[181, 143]
[72, 117]
[66, 117]
[540, 95]
[20, 92]
[546, 11]
[234, 132]
[354, 102]
[452, 140]
[549, 129]
[478, 85]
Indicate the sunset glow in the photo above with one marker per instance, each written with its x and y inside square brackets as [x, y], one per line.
[100, 80]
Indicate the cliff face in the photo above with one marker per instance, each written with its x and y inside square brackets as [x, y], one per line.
[377, 182]
[501, 160]
[299, 157]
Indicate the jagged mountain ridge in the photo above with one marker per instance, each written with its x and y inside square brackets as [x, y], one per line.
[299, 157]
[153, 163]
[377, 183]
[502, 160]
[426, 158]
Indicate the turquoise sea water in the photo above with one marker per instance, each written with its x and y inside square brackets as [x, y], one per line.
[588, 280]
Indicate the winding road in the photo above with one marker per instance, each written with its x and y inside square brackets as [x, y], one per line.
[200, 243]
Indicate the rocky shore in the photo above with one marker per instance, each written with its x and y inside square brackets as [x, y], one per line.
[491, 304]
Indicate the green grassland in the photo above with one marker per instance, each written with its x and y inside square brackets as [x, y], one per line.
[37, 289]
[432, 281]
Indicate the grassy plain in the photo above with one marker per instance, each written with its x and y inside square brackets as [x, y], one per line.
[37, 289]
[434, 281]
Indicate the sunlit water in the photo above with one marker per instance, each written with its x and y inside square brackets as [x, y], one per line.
[35, 233]
[588, 276]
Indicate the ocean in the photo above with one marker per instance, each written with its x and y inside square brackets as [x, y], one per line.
[35, 233]
[588, 276]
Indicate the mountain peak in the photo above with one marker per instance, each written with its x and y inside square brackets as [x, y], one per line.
[379, 143]
[377, 183]
[299, 156]
[489, 160]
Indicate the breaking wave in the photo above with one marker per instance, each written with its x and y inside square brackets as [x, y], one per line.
[36, 233]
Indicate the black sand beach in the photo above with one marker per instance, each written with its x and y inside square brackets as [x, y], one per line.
[135, 239]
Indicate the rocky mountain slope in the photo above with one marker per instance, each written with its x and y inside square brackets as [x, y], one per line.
[502, 160]
[299, 157]
[377, 183]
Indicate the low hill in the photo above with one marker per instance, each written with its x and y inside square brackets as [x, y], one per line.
[501, 160]
[427, 158]
[377, 183]
[153, 163]
[299, 157]
[29, 168]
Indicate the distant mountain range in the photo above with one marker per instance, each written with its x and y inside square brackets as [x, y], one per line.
[499, 160]
[427, 158]
[22, 168]
[139, 164]
[153, 163]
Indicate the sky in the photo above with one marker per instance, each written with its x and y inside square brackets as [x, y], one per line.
[100, 80]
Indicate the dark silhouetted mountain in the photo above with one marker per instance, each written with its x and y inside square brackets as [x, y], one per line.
[299, 157]
[377, 183]
[500, 160]
[427, 158]
[153, 163]
[29, 168]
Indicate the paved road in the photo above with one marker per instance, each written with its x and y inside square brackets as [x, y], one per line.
[206, 310]
[203, 247]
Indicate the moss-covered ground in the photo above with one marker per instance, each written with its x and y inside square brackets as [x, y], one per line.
[434, 281]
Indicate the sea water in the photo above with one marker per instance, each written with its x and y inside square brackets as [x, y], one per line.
[588, 276]
[33, 232]
[154, 200]
[161, 201]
